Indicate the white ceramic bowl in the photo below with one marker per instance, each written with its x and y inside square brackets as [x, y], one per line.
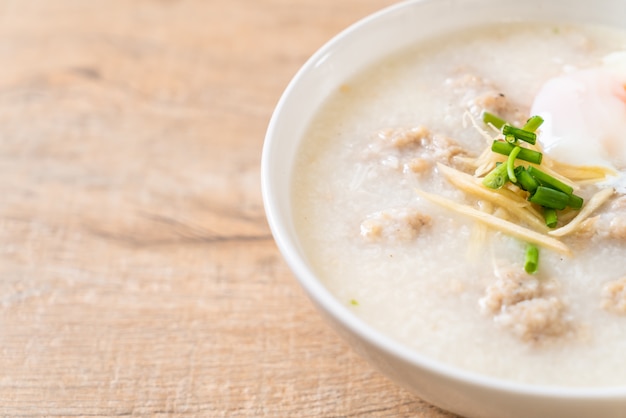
[367, 41]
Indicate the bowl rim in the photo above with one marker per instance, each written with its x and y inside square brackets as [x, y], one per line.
[325, 300]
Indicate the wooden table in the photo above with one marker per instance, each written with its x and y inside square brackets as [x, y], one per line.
[138, 274]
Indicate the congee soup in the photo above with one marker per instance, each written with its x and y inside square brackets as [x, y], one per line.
[466, 198]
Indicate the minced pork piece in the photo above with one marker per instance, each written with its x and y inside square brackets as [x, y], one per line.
[518, 302]
[415, 149]
[614, 296]
[397, 224]
[402, 138]
[617, 228]
[607, 225]
[533, 319]
[418, 165]
[480, 94]
[509, 290]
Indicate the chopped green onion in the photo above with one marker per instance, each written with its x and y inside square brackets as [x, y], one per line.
[549, 214]
[521, 134]
[497, 177]
[547, 180]
[504, 148]
[531, 260]
[575, 202]
[490, 118]
[549, 198]
[510, 139]
[510, 164]
[354, 302]
[525, 180]
[533, 123]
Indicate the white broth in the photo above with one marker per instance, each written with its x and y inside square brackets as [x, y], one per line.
[436, 281]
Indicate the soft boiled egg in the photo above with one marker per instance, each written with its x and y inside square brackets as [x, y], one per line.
[584, 114]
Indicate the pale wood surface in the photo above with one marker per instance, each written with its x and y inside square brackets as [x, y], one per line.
[138, 276]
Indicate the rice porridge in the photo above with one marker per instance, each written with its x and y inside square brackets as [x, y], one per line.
[398, 153]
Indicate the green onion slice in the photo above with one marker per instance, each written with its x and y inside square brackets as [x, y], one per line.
[549, 198]
[504, 148]
[575, 202]
[547, 180]
[525, 180]
[531, 261]
[550, 216]
[533, 123]
[496, 177]
[520, 134]
[490, 118]
[510, 164]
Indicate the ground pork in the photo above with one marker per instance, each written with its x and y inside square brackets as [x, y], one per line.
[397, 224]
[521, 304]
[507, 291]
[479, 94]
[405, 138]
[607, 225]
[534, 319]
[414, 150]
[614, 296]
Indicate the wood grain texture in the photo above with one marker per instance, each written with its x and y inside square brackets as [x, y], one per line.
[138, 276]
